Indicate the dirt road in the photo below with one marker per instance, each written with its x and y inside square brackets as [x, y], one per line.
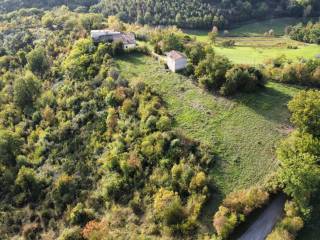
[260, 229]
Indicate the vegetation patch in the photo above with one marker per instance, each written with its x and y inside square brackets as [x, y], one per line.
[246, 129]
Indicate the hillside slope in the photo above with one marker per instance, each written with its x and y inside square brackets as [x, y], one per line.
[204, 14]
[187, 14]
[245, 129]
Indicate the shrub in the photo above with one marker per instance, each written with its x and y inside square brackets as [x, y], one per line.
[245, 201]
[38, 62]
[224, 222]
[228, 43]
[80, 215]
[26, 90]
[114, 186]
[168, 207]
[164, 123]
[28, 183]
[64, 190]
[289, 226]
[242, 78]
[305, 109]
[235, 207]
[71, 234]
[10, 147]
[211, 71]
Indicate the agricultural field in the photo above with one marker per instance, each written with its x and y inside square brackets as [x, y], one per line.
[259, 28]
[251, 47]
[245, 129]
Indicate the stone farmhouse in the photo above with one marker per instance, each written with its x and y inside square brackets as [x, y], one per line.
[106, 35]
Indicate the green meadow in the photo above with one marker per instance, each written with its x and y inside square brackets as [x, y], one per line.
[244, 129]
[252, 47]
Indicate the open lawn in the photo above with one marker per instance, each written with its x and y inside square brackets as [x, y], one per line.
[257, 50]
[251, 47]
[244, 130]
[259, 28]
[255, 29]
[258, 55]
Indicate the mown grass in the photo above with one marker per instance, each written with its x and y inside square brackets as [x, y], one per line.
[257, 50]
[253, 48]
[255, 29]
[278, 25]
[259, 55]
[244, 130]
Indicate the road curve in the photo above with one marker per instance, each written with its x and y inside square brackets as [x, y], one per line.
[260, 229]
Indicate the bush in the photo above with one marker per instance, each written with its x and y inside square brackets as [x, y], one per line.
[38, 61]
[235, 207]
[26, 90]
[242, 78]
[168, 207]
[80, 215]
[114, 187]
[305, 109]
[211, 71]
[10, 147]
[245, 201]
[289, 226]
[64, 191]
[228, 43]
[71, 234]
[28, 183]
[224, 222]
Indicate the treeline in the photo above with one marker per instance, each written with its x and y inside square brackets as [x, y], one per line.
[202, 14]
[186, 14]
[302, 72]
[78, 5]
[299, 173]
[309, 33]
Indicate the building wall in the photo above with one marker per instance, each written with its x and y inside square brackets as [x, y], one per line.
[181, 64]
[176, 65]
[171, 64]
[129, 46]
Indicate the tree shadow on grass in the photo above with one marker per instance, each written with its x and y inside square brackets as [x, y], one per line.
[133, 58]
[267, 102]
[209, 209]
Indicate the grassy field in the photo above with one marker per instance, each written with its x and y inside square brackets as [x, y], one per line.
[259, 28]
[244, 129]
[253, 48]
[258, 55]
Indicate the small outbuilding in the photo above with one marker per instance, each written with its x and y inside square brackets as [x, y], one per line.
[176, 61]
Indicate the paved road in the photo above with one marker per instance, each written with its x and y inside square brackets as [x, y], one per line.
[260, 229]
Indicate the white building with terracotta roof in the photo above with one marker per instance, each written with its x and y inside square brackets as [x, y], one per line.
[176, 61]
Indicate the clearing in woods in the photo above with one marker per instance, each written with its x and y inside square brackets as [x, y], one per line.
[244, 129]
[252, 47]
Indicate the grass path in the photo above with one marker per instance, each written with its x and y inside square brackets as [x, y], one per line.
[244, 130]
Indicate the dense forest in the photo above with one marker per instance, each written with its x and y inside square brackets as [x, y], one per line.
[78, 145]
[186, 14]
[309, 33]
[86, 155]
